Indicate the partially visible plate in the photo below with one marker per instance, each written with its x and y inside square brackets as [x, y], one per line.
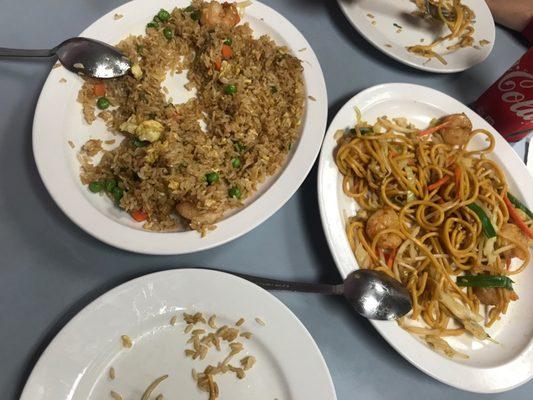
[58, 124]
[491, 367]
[75, 365]
[378, 20]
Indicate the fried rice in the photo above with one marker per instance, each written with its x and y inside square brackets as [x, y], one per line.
[171, 168]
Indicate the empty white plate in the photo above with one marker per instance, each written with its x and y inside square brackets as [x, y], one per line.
[491, 367]
[58, 124]
[378, 21]
[76, 365]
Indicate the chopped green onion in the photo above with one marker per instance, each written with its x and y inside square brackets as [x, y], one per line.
[228, 41]
[273, 89]
[239, 147]
[518, 204]
[486, 281]
[189, 9]
[488, 229]
[195, 15]
[140, 143]
[117, 194]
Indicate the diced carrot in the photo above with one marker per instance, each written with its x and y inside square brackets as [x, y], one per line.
[439, 183]
[227, 52]
[139, 215]
[390, 260]
[507, 262]
[433, 129]
[457, 173]
[516, 218]
[218, 65]
[99, 89]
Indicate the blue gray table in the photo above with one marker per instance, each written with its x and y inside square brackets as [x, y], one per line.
[50, 269]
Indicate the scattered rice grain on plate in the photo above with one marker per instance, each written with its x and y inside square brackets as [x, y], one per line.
[248, 362]
[151, 387]
[312, 98]
[71, 144]
[387, 45]
[111, 141]
[117, 16]
[246, 335]
[374, 23]
[126, 341]
[115, 395]
[112, 373]
[173, 320]
[212, 322]
[260, 321]
[79, 66]
[188, 328]
[303, 49]
[484, 42]
[62, 80]
[370, 15]
[239, 322]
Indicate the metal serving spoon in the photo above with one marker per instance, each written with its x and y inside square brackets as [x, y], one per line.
[373, 294]
[82, 56]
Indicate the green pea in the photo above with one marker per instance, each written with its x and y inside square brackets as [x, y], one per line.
[167, 32]
[228, 41]
[140, 143]
[157, 19]
[110, 184]
[102, 103]
[163, 15]
[96, 187]
[152, 24]
[235, 193]
[117, 193]
[236, 162]
[273, 89]
[212, 177]
[189, 9]
[230, 89]
[196, 15]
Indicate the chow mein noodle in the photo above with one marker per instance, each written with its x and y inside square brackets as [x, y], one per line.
[437, 216]
[457, 17]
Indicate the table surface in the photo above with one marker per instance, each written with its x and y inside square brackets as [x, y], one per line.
[51, 269]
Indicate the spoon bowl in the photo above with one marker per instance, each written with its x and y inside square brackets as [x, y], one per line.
[376, 295]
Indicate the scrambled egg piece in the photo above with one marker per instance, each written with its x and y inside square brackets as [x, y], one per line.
[149, 130]
[136, 71]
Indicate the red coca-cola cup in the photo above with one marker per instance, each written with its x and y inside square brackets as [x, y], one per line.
[508, 103]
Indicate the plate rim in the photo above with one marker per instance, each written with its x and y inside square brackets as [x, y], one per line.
[167, 275]
[286, 181]
[390, 331]
[422, 67]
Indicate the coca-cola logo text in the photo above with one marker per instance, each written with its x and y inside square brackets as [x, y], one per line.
[521, 106]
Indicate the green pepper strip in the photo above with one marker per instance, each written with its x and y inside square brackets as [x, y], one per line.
[485, 281]
[519, 205]
[488, 229]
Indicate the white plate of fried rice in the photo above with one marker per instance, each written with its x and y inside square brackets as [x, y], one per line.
[212, 132]
[140, 331]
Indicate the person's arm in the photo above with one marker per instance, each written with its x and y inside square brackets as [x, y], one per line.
[514, 14]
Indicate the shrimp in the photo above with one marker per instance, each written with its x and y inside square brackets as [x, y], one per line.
[384, 218]
[457, 131]
[189, 211]
[224, 14]
[514, 235]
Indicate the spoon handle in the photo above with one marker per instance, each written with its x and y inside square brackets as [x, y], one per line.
[274, 284]
[5, 52]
